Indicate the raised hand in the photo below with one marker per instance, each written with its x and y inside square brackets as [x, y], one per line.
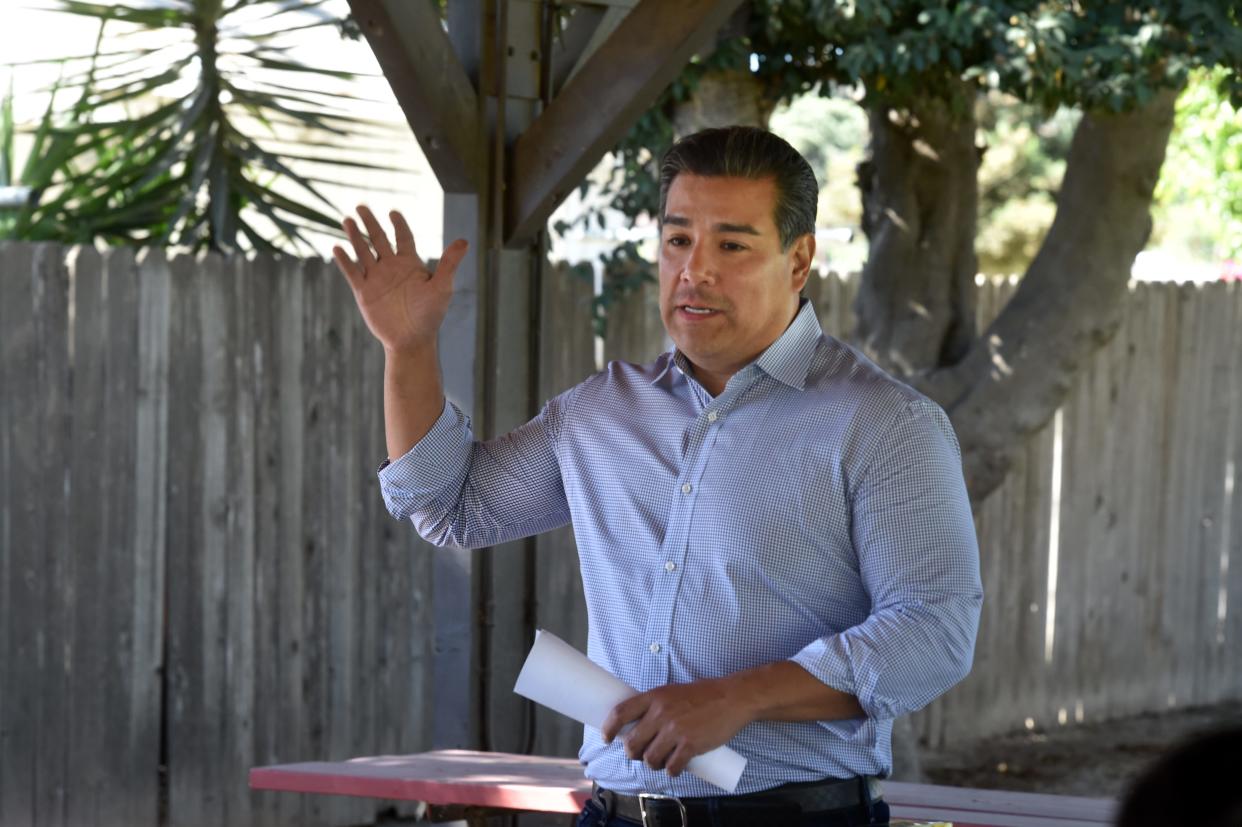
[402, 302]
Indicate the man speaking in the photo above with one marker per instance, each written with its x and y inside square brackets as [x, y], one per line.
[776, 544]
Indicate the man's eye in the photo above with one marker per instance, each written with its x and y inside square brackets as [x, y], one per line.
[678, 241]
[731, 246]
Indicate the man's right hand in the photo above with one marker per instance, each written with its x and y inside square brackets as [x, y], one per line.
[402, 302]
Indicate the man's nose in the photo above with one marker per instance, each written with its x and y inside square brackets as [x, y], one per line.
[699, 265]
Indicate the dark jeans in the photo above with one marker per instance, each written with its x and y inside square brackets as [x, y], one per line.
[861, 816]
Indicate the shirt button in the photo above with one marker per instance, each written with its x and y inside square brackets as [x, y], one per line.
[654, 648]
[670, 566]
[711, 416]
[686, 488]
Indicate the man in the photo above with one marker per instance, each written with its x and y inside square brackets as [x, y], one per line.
[775, 539]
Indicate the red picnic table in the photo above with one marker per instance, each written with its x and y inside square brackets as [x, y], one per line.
[477, 785]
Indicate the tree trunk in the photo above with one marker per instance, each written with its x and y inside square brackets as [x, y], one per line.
[723, 98]
[1015, 377]
[915, 304]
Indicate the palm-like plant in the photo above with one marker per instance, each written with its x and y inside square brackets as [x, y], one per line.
[160, 145]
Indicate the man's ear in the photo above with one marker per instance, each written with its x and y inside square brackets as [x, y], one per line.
[801, 257]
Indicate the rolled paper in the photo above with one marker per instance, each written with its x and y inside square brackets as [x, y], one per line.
[558, 676]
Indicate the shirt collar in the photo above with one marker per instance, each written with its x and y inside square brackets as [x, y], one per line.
[787, 360]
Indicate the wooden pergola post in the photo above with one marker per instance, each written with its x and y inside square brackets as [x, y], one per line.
[513, 102]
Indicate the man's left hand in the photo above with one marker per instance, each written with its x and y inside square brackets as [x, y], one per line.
[674, 723]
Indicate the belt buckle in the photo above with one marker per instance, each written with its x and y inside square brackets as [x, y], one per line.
[643, 798]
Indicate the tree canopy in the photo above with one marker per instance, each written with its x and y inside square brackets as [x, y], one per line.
[1089, 55]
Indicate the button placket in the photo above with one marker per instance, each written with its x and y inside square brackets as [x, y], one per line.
[700, 436]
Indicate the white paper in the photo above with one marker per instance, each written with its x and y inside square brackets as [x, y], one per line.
[563, 679]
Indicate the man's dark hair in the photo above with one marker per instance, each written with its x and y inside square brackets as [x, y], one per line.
[749, 152]
[1196, 783]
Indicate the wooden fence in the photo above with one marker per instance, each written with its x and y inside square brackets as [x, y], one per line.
[197, 574]
[1127, 505]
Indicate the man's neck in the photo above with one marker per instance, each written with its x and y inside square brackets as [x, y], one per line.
[713, 383]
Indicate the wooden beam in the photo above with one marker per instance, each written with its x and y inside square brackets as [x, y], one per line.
[611, 17]
[571, 46]
[430, 84]
[602, 101]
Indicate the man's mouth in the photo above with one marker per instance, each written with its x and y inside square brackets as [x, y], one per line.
[696, 309]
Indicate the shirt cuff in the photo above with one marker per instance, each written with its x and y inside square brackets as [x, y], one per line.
[828, 661]
[422, 473]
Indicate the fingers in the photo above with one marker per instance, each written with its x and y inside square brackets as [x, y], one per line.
[613, 723]
[640, 738]
[351, 271]
[361, 248]
[677, 762]
[628, 710]
[379, 238]
[660, 749]
[404, 236]
[449, 259]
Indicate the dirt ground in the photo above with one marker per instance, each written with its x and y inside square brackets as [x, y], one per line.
[1096, 760]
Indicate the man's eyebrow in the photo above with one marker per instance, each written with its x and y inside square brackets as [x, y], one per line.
[682, 221]
[737, 228]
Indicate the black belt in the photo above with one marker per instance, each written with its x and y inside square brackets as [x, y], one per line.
[768, 806]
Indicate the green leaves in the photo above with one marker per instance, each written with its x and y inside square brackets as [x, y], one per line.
[1200, 189]
[1056, 52]
[165, 140]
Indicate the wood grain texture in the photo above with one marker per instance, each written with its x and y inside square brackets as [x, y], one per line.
[21, 680]
[52, 555]
[207, 448]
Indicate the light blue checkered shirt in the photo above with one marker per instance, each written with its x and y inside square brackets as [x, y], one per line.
[815, 511]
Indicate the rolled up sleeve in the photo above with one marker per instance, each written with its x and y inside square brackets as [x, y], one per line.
[919, 562]
[462, 492]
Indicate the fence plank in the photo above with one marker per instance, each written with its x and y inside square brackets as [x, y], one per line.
[1163, 354]
[561, 607]
[194, 796]
[53, 631]
[1181, 524]
[125, 591]
[1031, 575]
[635, 332]
[1230, 625]
[89, 483]
[265, 275]
[146, 614]
[1213, 447]
[21, 558]
[113, 743]
[240, 611]
[1072, 602]
[1130, 416]
[293, 636]
[40, 621]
